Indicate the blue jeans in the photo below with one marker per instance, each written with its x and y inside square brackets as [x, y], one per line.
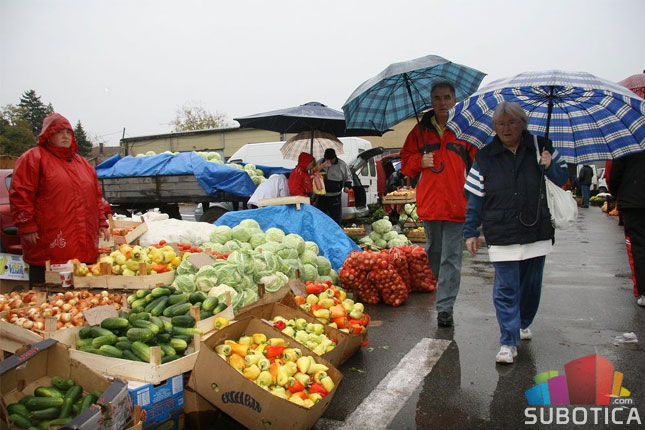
[516, 296]
[444, 246]
[585, 195]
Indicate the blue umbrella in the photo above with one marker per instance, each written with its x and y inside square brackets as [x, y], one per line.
[588, 118]
[403, 90]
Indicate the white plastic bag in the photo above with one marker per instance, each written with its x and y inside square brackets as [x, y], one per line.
[174, 230]
[563, 207]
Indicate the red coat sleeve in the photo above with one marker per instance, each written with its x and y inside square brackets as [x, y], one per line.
[22, 195]
[410, 154]
[99, 198]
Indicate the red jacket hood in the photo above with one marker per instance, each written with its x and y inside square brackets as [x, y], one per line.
[304, 159]
[53, 123]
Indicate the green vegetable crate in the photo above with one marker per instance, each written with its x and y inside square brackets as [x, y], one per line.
[44, 387]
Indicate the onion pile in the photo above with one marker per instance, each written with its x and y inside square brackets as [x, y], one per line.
[16, 300]
[66, 308]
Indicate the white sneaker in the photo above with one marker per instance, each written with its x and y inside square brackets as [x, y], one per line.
[641, 301]
[525, 334]
[506, 354]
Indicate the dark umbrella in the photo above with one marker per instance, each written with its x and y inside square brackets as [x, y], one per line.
[310, 117]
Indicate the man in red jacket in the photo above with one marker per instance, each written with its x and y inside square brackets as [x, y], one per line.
[56, 201]
[443, 163]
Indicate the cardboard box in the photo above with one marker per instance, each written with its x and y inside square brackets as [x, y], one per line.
[158, 403]
[252, 406]
[352, 342]
[199, 413]
[12, 267]
[9, 285]
[271, 310]
[22, 373]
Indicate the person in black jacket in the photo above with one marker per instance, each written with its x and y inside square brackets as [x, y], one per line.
[584, 179]
[506, 195]
[627, 183]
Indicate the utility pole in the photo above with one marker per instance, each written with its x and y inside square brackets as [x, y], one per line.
[125, 145]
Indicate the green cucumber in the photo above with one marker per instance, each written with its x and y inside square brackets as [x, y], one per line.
[129, 355]
[138, 303]
[57, 423]
[205, 314]
[83, 342]
[123, 345]
[159, 307]
[141, 350]
[197, 296]
[183, 337]
[187, 331]
[62, 383]
[140, 334]
[97, 331]
[177, 299]
[138, 316]
[210, 303]
[131, 299]
[17, 408]
[169, 358]
[167, 349]
[24, 399]
[89, 348]
[178, 344]
[20, 421]
[219, 308]
[183, 321]
[158, 322]
[104, 340]
[124, 314]
[112, 351]
[40, 403]
[46, 414]
[85, 332]
[114, 323]
[142, 293]
[161, 291]
[86, 402]
[138, 309]
[164, 337]
[147, 324]
[181, 310]
[167, 326]
[48, 392]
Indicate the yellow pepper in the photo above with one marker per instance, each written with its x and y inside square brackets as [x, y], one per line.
[320, 375]
[237, 362]
[315, 397]
[223, 349]
[297, 400]
[307, 403]
[322, 313]
[303, 378]
[245, 340]
[327, 383]
[317, 367]
[303, 364]
[259, 338]
[252, 359]
[264, 379]
[280, 392]
[278, 341]
[291, 367]
[289, 354]
[239, 349]
[264, 364]
[252, 372]
[220, 323]
[282, 376]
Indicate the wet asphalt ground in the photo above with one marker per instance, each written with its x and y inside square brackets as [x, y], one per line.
[415, 375]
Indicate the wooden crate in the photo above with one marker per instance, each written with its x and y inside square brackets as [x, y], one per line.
[355, 231]
[397, 200]
[293, 200]
[52, 272]
[131, 237]
[417, 237]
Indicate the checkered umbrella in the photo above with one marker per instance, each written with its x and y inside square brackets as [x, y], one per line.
[636, 83]
[315, 143]
[403, 90]
[588, 118]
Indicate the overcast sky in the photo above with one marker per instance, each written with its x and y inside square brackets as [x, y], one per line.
[115, 64]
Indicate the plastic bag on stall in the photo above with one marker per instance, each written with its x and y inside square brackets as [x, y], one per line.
[174, 230]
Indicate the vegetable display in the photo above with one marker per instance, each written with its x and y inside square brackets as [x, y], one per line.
[15, 300]
[66, 308]
[52, 406]
[383, 236]
[282, 371]
[388, 276]
[331, 306]
[310, 335]
[157, 317]
[128, 260]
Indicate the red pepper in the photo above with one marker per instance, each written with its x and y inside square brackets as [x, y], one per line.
[317, 388]
[280, 325]
[300, 300]
[367, 342]
[314, 288]
[162, 242]
[365, 320]
[274, 351]
[316, 307]
[355, 329]
[341, 322]
[295, 386]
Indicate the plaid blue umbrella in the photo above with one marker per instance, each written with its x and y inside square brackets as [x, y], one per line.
[403, 90]
[588, 118]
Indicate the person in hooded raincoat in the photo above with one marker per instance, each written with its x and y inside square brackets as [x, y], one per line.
[56, 201]
[300, 183]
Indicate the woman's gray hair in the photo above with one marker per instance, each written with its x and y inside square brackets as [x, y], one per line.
[513, 109]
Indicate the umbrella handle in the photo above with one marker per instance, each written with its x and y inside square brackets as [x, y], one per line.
[439, 170]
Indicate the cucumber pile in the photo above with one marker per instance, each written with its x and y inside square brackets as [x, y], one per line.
[56, 405]
[157, 317]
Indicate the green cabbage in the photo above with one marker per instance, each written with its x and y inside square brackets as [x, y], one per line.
[274, 282]
[274, 235]
[286, 252]
[290, 266]
[380, 243]
[311, 246]
[250, 297]
[390, 235]
[218, 247]
[186, 268]
[257, 239]
[308, 257]
[243, 260]
[366, 241]
[250, 223]
[206, 245]
[185, 283]
[221, 234]
[240, 233]
[206, 278]
[324, 266]
[397, 242]
[334, 277]
[325, 278]
[246, 246]
[249, 167]
[375, 236]
[257, 180]
[294, 241]
[233, 245]
[310, 273]
[272, 247]
[220, 293]
[382, 226]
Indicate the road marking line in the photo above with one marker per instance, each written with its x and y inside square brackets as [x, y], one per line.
[382, 405]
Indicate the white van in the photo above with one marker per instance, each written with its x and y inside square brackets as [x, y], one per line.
[357, 153]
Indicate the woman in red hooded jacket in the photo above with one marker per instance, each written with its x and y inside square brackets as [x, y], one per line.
[300, 180]
[56, 201]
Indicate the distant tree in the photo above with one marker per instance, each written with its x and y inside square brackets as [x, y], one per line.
[15, 133]
[84, 144]
[192, 116]
[34, 111]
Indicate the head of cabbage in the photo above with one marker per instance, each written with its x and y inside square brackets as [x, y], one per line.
[310, 273]
[186, 268]
[308, 257]
[382, 226]
[274, 235]
[185, 283]
[250, 223]
[257, 239]
[294, 241]
[311, 246]
[221, 234]
[241, 233]
[324, 265]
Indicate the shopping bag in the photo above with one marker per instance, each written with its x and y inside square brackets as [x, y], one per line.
[562, 205]
[319, 184]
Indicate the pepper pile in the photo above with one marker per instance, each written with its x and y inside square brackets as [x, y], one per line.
[331, 306]
[389, 275]
[310, 335]
[275, 367]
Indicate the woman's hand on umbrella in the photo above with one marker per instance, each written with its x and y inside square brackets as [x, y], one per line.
[427, 160]
[472, 245]
[31, 238]
[545, 159]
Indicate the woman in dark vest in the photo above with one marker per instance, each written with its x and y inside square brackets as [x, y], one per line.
[506, 197]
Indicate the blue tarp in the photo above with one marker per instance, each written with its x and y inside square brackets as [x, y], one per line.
[212, 177]
[308, 222]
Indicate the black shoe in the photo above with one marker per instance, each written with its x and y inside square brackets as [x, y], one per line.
[444, 319]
